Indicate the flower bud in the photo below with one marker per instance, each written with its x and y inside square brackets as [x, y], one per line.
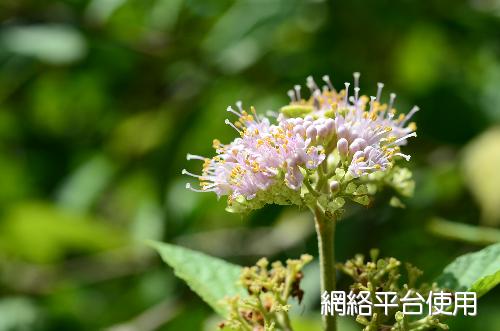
[357, 145]
[343, 147]
[330, 124]
[334, 186]
[311, 132]
[322, 131]
[342, 132]
[300, 130]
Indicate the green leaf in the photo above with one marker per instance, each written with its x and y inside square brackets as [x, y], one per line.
[56, 44]
[19, 313]
[478, 272]
[39, 232]
[211, 278]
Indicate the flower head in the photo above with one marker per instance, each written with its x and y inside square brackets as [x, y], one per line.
[313, 141]
[263, 154]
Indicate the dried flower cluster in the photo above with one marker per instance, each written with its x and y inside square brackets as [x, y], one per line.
[328, 140]
[269, 290]
[384, 275]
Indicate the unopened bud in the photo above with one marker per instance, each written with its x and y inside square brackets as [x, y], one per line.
[299, 129]
[357, 145]
[334, 186]
[343, 147]
[322, 131]
[311, 132]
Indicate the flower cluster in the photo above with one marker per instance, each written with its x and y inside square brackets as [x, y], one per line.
[386, 275]
[270, 287]
[313, 141]
[252, 162]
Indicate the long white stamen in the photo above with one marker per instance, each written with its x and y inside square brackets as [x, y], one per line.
[291, 95]
[195, 157]
[185, 172]
[410, 114]
[239, 104]
[228, 122]
[231, 110]
[311, 84]
[392, 97]
[395, 142]
[356, 79]
[316, 96]
[254, 112]
[372, 100]
[405, 156]
[367, 168]
[297, 92]
[356, 94]
[380, 86]
[346, 92]
[189, 187]
[328, 82]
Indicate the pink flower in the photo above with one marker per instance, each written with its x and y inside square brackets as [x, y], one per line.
[256, 160]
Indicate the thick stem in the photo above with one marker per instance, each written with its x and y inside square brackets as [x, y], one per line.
[325, 229]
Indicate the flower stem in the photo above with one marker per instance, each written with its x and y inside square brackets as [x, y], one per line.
[325, 230]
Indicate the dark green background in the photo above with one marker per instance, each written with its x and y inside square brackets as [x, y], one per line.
[101, 100]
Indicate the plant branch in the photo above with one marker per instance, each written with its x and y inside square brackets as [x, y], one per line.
[325, 229]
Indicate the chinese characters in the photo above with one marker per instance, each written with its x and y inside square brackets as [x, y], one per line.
[436, 303]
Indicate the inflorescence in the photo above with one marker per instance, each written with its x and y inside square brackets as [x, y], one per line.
[317, 146]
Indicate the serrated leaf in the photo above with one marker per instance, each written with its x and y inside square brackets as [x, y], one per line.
[351, 187]
[211, 278]
[478, 271]
[361, 190]
[363, 200]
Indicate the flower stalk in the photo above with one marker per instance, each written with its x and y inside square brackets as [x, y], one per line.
[325, 230]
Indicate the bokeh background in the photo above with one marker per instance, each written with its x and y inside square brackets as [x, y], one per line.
[101, 100]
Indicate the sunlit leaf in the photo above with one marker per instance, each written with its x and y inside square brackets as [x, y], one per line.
[478, 271]
[18, 313]
[420, 57]
[39, 232]
[485, 180]
[140, 133]
[56, 44]
[211, 278]
[83, 186]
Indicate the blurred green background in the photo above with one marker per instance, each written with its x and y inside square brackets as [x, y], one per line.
[101, 100]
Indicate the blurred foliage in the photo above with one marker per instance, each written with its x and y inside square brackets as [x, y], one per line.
[101, 100]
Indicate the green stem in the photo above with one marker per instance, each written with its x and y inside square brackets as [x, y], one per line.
[325, 229]
[287, 326]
